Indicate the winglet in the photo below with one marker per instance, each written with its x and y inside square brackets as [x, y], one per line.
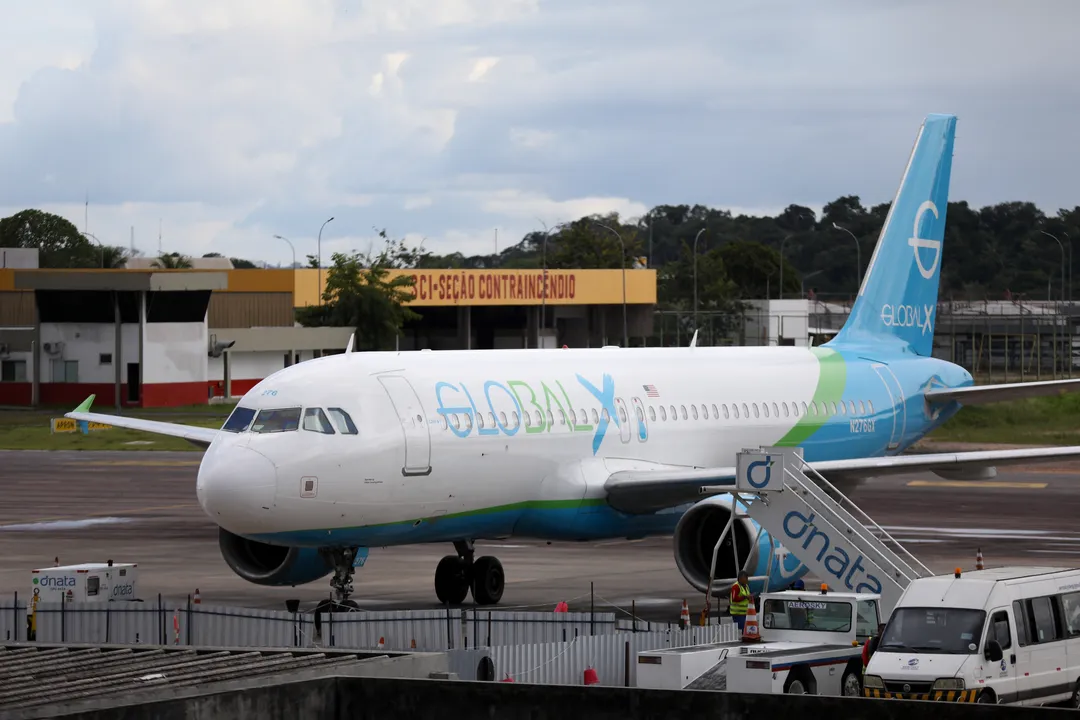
[352, 341]
[693, 341]
[85, 405]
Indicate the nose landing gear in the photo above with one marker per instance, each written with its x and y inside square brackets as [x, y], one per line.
[457, 574]
[342, 580]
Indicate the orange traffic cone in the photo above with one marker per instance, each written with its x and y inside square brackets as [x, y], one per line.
[750, 628]
[196, 600]
[590, 676]
[382, 643]
[412, 646]
[684, 616]
[978, 559]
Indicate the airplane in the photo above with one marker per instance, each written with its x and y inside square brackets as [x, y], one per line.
[327, 458]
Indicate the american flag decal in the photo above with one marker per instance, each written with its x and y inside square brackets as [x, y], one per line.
[650, 391]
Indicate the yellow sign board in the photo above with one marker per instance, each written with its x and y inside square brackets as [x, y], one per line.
[66, 425]
[511, 287]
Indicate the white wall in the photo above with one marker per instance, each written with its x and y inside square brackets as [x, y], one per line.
[85, 344]
[175, 353]
[25, 358]
[251, 365]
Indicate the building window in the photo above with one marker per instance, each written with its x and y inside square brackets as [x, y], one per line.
[65, 371]
[105, 359]
[13, 371]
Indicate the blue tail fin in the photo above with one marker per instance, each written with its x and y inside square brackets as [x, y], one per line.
[897, 302]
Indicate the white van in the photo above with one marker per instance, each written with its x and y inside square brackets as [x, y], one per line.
[1005, 635]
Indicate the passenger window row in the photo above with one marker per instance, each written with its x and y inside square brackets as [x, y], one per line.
[663, 413]
[327, 422]
[1048, 618]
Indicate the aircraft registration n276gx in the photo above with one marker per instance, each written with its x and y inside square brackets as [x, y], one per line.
[375, 449]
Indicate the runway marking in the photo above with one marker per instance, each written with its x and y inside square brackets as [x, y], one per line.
[977, 484]
[135, 463]
[65, 524]
[106, 513]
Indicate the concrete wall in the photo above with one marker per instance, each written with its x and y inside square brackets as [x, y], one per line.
[341, 697]
[84, 344]
[248, 368]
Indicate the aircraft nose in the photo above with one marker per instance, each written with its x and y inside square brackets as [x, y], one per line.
[236, 487]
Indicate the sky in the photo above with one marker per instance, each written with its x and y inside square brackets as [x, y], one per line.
[203, 126]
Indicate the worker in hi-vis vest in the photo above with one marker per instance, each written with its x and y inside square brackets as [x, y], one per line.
[871, 645]
[740, 600]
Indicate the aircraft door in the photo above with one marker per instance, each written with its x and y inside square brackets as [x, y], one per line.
[413, 424]
[640, 421]
[897, 406]
[624, 420]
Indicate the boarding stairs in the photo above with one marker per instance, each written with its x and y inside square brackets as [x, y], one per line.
[812, 520]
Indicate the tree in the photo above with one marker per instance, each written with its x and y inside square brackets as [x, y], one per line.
[172, 261]
[359, 294]
[587, 243]
[59, 242]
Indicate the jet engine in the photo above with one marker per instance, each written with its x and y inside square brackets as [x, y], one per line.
[264, 564]
[696, 535]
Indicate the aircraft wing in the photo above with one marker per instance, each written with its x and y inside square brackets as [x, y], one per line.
[981, 394]
[201, 436]
[646, 491]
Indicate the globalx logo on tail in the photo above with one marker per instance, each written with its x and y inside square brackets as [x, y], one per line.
[917, 242]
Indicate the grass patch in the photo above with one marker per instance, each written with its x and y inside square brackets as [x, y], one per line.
[1034, 421]
[30, 429]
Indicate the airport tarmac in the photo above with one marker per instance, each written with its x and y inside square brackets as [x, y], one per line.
[141, 507]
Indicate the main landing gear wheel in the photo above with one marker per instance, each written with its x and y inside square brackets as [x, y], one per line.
[457, 574]
[452, 580]
[488, 581]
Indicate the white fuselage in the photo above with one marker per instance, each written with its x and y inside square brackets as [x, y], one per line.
[519, 442]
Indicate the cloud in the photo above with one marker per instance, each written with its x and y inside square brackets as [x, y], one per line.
[231, 121]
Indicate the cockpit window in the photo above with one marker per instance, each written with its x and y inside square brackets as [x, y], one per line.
[342, 421]
[239, 420]
[279, 420]
[315, 421]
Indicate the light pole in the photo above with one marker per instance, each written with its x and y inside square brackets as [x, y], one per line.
[699, 232]
[279, 237]
[1062, 260]
[858, 256]
[786, 238]
[319, 255]
[622, 244]
[100, 246]
[1056, 350]
[543, 279]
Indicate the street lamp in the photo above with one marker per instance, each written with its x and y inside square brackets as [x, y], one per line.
[786, 238]
[543, 279]
[319, 251]
[279, 237]
[1062, 261]
[695, 276]
[858, 255]
[622, 244]
[100, 245]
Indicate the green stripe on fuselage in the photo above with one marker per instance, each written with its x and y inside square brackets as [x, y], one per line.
[832, 379]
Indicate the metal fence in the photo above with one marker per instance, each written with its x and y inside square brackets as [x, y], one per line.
[1003, 340]
[613, 656]
[164, 621]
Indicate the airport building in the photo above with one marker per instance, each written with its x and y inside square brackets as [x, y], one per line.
[148, 337]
